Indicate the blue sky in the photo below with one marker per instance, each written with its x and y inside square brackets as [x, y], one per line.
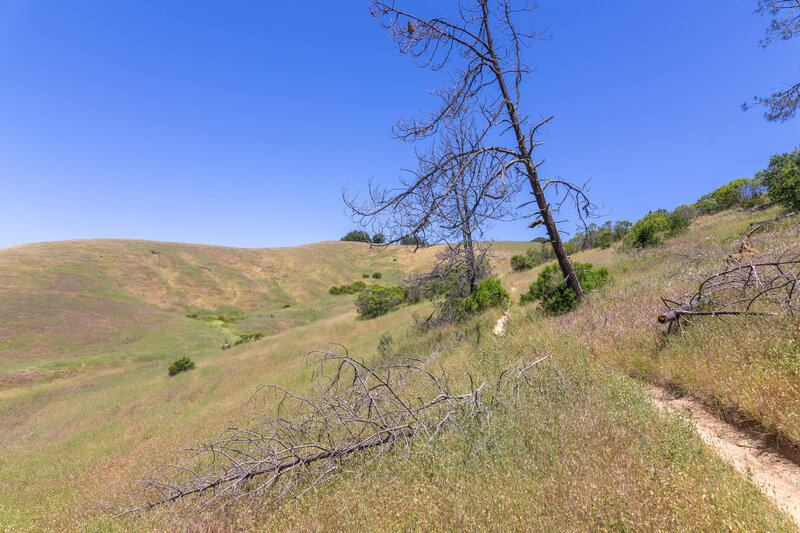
[237, 123]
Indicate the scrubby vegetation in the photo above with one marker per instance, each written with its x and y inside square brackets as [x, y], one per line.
[357, 236]
[247, 337]
[356, 286]
[655, 226]
[556, 298]
[181, 365]
[378, 300]
[490, 293]
[553, 462]
[363, 236]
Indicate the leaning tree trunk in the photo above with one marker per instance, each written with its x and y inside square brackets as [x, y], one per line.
[544, 208]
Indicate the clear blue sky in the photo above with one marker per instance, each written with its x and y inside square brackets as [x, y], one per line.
[237, 123]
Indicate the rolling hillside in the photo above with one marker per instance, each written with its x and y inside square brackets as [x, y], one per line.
[88, 328]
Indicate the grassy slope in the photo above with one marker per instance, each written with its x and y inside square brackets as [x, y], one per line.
[98, 400]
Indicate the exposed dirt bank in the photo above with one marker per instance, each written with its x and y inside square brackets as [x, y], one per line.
[778, 477]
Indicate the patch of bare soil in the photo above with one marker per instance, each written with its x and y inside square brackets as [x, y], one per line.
[775, 475]
[500, 326]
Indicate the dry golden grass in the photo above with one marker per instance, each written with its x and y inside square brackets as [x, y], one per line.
[86, 403]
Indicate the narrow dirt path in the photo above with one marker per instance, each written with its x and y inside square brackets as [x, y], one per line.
[500, 326]
[777, 477]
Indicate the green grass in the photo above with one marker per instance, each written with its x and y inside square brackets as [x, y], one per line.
[84, 380]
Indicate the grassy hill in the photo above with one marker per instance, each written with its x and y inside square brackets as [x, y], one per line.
[88, 328]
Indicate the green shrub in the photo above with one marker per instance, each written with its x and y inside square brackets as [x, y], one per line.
[379, 300]
[743, 192]
[287, 306]
[555, 296]
[490, 293]
[537, 255]
[378, 238]
[191, 315]
[356, 286]
[364, 275]
[377, 275]
[521, 262]
[657, 224]
[413, 240]
[248, 338]
[182, 364]
[357, 236]
[782, 179]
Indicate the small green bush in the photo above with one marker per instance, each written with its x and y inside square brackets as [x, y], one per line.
[364, 275]
[377, 275]
[555, 296]
[287, 306]
[191, 315]
[490, 293]
[521, 262]
[379, 300]
[356, 286]
[182, 364]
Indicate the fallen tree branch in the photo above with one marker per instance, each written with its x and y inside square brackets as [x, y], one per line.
[752, 284]
[358, 411]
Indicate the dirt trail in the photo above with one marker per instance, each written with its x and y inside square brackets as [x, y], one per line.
[500, 326]
[777, 477]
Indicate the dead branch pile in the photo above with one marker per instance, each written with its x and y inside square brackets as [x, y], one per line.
[751, 284]
[357, 411]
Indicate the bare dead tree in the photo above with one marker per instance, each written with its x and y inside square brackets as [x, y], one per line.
[751, 284]
[356, 412]
[784, 24]
[450, 201]
[481, 49]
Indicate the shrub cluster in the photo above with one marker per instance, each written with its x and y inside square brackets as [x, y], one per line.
[602, 236]
[593, 236]
[378, 300]
[743, 192]
[555, 296]
[413, 240]
[533, 257]
[377, 275]
[650, 230]
[490, 293]
[353, 288]
[363, 236]
[182, 364]
[248, 337]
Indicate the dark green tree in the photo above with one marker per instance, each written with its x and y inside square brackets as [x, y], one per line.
[782, 179]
